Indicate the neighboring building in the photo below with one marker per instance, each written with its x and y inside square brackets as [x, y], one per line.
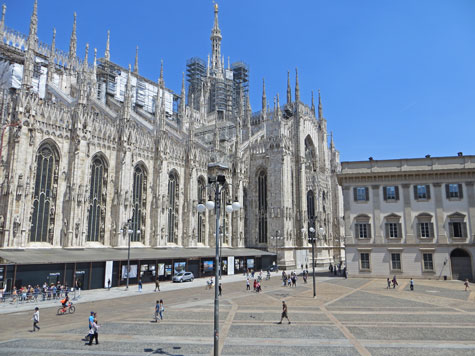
[410, 217]
[88, 147]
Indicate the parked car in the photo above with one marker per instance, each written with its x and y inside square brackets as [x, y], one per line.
[183, 277]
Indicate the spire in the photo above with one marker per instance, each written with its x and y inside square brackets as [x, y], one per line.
[320, 110]
[86, 56]
[30, 48]
[216, 43]
[32, 35]
[278, 107]
[107, 54]
[181, 109]
[162, 102]
[158, 107]
[136, 65]
[264, 99]
[73, 41]
[191, 131]
[313, 104]
[289, 92]
[332, 145]
[161, 82]
[52, 57]
[229, 63]
[2, 22]
[207, 68]
[248, 117]
[128, 96]
[94, 65]
[202, 100]
[297, 89]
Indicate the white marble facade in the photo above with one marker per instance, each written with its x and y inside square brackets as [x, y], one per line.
[87, 147]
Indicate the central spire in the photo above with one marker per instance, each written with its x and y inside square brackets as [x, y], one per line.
[216, 43]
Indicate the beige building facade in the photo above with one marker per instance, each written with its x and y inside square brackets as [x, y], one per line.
[410, 217]
[89, 145]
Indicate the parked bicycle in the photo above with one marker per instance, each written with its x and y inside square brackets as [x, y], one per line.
[70, 308]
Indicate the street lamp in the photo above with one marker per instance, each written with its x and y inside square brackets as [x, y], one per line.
[128, 229]
[312, 238]
[218, 184]
[276, 238]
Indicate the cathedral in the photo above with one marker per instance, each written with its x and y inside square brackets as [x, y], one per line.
[94, 154]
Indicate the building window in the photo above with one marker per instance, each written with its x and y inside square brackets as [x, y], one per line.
[173, 198]
[453, 191]
[139, 216]
[391, 193]
[364, 261]
[428, 264]
[425, 228]
[201, 200]
[362, 227]
[97, 200]
[262, 208]
[457, 226]
[392, 226]
[422, 192]
[44, 198]
[393, 230]
[361, 194]
[396, 261]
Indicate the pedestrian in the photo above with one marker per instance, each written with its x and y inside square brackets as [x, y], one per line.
[344, 272]
[162, 309]
[467, 286]
[36, 319]
[395, 282]
[157, 310]
[284, 313]
[140, 285]
[330, 268]
[109, 284]
[157, 285]
[411, 284]
[248, 284]
[93, 332]
[255, 285]
[78, 287]
[389, 283]
[90, 321]
[220, 290]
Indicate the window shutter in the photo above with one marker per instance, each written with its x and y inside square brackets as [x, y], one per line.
[464, 229]
[418, 230]
[399, 230]
[428, 191]
[451, 229]
[415, 192]
[431, 229]
[386, 229]
[460, 191]
[357, 231]
[369, 230]
[355, 194]
[366, 189]
[447, 193]
[396, 188]
[385, 193]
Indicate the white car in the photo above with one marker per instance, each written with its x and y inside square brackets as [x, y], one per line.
[183, 277]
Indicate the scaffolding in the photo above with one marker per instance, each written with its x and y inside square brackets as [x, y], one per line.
[241, 81]
[195, 72]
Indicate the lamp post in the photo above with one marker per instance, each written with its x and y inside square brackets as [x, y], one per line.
[276, 238]
[312, 238]
[218, 184]
[128, 229]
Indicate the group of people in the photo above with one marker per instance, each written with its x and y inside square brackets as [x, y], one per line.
[337, 269]
[31, 293]
[289, 280]
[93, 333]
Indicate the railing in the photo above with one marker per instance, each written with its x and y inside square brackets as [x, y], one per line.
[35, 297]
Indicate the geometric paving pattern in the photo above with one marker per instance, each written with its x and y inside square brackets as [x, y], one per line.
[349, 317]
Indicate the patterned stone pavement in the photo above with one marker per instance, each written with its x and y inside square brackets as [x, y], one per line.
[349, 317]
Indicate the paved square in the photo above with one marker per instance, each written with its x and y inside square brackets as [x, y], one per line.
[349, 317]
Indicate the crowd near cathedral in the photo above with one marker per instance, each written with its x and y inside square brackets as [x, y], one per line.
[94, 154]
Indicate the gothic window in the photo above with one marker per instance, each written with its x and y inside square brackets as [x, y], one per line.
[173, 206]
[310, 205]
[139, 201]
[310, 155]
[262, 205]
[97, 200]
[44, 198]
[201, 200]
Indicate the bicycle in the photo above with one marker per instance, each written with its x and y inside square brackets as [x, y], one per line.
[69, 308]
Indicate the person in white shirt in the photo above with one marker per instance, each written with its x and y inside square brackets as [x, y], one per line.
[36, 319]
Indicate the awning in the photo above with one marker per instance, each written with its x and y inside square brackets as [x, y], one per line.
[71, 255]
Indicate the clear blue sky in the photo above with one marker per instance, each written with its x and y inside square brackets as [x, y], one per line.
[397, 77]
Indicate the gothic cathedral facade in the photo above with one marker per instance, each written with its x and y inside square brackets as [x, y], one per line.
[91, 152]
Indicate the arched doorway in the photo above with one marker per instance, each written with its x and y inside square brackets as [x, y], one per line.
[461, 264]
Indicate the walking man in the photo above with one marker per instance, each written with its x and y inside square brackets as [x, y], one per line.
[220, 289]
[94, 331]
[90, 321]
[36, 319]
[389, 283]
[109, 284]
[157, 310]
[248, 284]
[140, 285]
[411, 284]
[284, 313]
[157, 285]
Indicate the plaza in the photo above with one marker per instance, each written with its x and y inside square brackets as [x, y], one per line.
[357, 316]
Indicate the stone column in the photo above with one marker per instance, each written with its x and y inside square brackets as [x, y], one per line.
[378, 238]
[471, 209]
[440, 236]
[349, 238]
[407, 218]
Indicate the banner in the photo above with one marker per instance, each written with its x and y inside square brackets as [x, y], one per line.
[108, 273]
[230, 265]
[133, 271]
